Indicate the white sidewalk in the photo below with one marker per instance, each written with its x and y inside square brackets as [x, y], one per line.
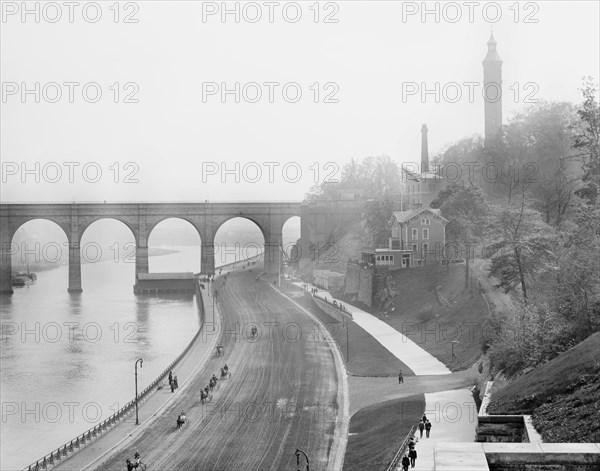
[453, 417]
[416, 358]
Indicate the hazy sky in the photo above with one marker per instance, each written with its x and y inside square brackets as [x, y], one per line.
[177, 136]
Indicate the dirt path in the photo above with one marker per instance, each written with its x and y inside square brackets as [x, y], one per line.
[282, 395]
[498, 300]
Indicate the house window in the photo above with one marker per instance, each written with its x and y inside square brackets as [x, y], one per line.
[425, 234]
[425, 250]
[414, 247]
[415, 234]
[425, 221]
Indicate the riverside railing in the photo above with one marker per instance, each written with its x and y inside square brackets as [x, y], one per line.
[394, 463]
[64, 451]
[339, 306]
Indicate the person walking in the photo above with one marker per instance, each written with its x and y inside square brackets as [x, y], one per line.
[400, 378]
[172, 381]
[405, 463]
[427, 428]
[412, 454]
[175, 385]
[421, 427]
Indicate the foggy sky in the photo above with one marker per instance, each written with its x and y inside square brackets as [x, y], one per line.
[170, 135]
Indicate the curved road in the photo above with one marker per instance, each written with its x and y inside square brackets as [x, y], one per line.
[282, 394]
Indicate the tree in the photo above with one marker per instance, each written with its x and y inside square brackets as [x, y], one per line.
[526, 244]
[587, 131]
[466, 209]
[531, 153]
[378, 216]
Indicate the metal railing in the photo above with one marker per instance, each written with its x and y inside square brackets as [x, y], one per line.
[64, 451]
[394, 463]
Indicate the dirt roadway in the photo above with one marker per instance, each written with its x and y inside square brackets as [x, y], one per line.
[282, 395]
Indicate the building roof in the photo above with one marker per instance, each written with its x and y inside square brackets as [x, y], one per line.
[166, 276]
[384, 251]
[422, 177]
[327, 273]
[405, 216]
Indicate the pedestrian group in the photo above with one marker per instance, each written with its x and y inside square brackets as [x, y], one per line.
[411, 457]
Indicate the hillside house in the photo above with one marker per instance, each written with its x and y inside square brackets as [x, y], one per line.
[420, 232]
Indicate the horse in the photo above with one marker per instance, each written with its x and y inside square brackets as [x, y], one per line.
[205, 396]
[225, 373]
[181, 421]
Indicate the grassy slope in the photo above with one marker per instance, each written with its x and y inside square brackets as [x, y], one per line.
[417, 313]
[367, 356]
[433, 323]
[379, 430]
[563, 395]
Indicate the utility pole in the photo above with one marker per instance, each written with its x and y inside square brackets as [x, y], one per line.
[141, 362]
[468, 255]
[453, 342]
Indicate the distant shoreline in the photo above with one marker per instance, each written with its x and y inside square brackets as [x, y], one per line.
[47, 266]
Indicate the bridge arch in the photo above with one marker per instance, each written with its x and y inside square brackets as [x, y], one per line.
[108, 238]
[176, 231]
[50, 249]
[86, 222]
[290, 234]
[237, 238]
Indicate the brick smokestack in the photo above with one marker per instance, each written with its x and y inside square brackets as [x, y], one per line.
[424, 150]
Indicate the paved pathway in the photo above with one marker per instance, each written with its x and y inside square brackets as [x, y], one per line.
[366, 391]
[453, 417]
[416, 358]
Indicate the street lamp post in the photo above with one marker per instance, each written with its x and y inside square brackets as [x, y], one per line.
[297, 453]
[213, 309]
[347, 342]
[141, 362]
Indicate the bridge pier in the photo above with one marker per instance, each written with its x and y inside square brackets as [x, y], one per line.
[5, 254]
[74, 268]
[207, 262]
[141, 260]
[5, 269]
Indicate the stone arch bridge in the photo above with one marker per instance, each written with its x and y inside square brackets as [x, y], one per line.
[317, 223]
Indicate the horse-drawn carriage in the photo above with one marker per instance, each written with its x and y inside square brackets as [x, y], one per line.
[225, 373]
[181, 420]
[205, 395]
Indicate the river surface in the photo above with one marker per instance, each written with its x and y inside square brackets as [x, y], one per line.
[67, 360]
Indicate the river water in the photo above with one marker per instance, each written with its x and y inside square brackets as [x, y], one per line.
[67, 361]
